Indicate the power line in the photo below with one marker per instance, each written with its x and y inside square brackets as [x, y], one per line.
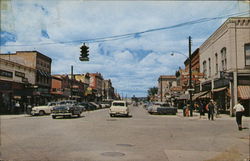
[139, 34]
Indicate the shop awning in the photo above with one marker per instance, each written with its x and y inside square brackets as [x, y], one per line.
[244, 92]
[197, 95]
[219, 89]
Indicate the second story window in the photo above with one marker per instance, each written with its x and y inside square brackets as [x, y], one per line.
[247, 54]
[209, 67]
[216, 63]
[205, 68]
[223, 59]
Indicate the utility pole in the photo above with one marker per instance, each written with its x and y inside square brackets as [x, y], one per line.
[161, 87]
[71, 83]
[190, 76]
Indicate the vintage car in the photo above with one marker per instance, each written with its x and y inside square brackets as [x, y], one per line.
[88, 106]
[66, 111]
[119, 108]
[105, 104]
[43, 110]
[162, 108]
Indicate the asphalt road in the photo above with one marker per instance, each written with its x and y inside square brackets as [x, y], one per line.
[142, 137]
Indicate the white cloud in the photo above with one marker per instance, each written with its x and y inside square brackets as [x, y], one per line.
[133, 64]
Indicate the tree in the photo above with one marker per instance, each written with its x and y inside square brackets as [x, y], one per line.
[152, 91]
[177, 73]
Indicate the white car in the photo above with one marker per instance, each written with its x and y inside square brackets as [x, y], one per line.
[119, 108]
[43, 110]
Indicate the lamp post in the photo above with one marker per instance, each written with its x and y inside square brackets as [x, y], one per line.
[190, 73]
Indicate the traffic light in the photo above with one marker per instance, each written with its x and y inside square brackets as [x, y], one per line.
[84, 53]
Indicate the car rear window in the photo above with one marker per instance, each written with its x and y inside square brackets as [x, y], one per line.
[118, 104]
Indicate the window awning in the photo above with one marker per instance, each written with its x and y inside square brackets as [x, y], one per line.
[219, 89]
[244, 92]
[197, 95]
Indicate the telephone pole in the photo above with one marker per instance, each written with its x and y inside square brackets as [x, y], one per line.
[190, 76]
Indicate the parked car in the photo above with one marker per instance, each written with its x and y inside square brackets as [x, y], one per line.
[67, 102]
[96, 105]
[88, 106]
[82, 107]
[105, 104]
[66, 110]
[162, 108]
[119, 108]
[43, 110]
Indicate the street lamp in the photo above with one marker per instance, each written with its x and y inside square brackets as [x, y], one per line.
[190, 74]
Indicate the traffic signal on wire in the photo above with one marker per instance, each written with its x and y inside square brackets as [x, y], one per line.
[84, 56]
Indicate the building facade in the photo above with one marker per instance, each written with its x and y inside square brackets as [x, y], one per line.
[108, 90]
[165, 82]
[42, 64]
[96, 84]
[16, 83]
[225, 62]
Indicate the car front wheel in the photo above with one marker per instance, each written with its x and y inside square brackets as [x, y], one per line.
[41, 113]
[53, 117]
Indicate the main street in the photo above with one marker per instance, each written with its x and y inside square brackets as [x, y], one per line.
[142, 137]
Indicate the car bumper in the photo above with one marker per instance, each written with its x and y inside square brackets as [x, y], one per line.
[118, 113]
[34, 113]
[62, 114]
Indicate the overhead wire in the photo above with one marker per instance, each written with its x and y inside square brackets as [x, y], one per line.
[136, 34]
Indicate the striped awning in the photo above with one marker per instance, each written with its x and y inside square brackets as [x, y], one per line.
[244, 92]
[197, 95]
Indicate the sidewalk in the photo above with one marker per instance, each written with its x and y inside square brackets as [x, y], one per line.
[14, 116]
[196, 115]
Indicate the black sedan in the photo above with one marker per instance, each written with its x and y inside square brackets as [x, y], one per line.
[66, 111]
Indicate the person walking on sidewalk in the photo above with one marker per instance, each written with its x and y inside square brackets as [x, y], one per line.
[239, 109]
[211, 110]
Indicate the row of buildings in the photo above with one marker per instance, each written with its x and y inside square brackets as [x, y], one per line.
[25, 77]
[220, 69]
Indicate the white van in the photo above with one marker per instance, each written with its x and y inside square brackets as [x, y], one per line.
[119, 108]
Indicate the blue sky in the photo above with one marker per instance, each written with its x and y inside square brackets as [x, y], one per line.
[133, 64]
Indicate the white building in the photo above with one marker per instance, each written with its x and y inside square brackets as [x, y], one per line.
[225, 61]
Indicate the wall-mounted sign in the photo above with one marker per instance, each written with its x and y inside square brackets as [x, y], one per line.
[5, 73]
[19, 74]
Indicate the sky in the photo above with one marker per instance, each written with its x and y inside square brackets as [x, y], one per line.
[134, 62]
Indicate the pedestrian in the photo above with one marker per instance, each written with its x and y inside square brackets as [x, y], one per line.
[211, 110]
[184, 109]
[17, 107]
[187, 110]
[216, 109]
[200, 107]
[239, 109]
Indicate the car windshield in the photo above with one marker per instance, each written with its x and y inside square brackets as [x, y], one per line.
[118, 104]
[52, 104]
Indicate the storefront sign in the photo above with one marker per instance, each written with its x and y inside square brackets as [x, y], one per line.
[19, 74]
[5, 73]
